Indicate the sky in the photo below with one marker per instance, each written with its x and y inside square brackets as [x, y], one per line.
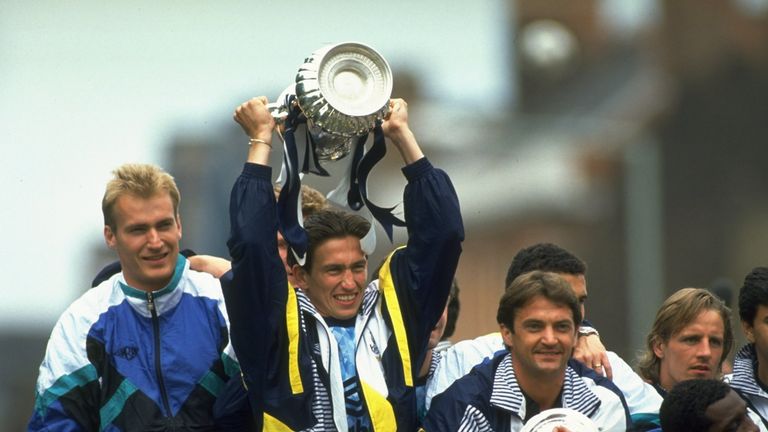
[88, 85]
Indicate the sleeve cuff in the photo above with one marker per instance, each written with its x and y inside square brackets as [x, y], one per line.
[263, 172]
[417, 169]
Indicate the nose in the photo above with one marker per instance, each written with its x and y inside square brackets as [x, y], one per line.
[704, 350]
[348, 280]
[153, 238]
[548, 336]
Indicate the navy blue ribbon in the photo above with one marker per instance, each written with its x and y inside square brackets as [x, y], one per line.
[382, 214]
[362, 163]
[288, 201]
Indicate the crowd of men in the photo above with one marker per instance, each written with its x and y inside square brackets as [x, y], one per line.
[274, 340]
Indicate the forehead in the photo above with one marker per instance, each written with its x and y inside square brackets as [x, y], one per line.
[707, 321]
[761, 312]
[542, 308]
[338, 251]
[133, 209]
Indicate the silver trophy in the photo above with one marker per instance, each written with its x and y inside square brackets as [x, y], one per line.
[342, 90]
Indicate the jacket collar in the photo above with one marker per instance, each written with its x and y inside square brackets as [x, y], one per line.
[370, 295]
[165, 298]
[744, 378]
[506, 393]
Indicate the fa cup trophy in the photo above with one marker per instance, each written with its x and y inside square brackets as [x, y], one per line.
[341, 94]
[341, 90]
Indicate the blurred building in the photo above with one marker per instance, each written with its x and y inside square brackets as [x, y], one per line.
[636, 140]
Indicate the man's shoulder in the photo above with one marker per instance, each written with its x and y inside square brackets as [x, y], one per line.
[478, 348]
[202, 283]
[474, 388]
[96, 300]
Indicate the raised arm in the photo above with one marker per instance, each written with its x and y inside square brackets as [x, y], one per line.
[424, 270]
[256, 289]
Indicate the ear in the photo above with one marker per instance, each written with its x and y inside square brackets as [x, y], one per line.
[300, 276]
[748, 330]
[506, 334]
[658, 349]
[109, 237]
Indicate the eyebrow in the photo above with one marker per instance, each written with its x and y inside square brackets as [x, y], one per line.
[169, 220]
[334, 266]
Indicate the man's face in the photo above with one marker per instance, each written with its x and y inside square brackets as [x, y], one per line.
[146, 238]
[543, 338]
[336, 280]
[729, 414]
[693, 352]
[757, 332]
[579, 285]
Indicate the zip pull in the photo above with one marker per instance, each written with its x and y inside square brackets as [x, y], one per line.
[150, 302]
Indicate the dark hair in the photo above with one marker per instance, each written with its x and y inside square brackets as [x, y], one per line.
[453, 310]
[677, 311]
[330, 223]
[753, 293]
[684, 408]
[533, 284]
[545, 257]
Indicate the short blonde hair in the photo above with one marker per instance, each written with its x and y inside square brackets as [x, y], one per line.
[141, 180]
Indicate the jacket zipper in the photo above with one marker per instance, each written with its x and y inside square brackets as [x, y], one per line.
[158, 364]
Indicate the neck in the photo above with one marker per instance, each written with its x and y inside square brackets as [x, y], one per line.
[145, 287]
[542, 388]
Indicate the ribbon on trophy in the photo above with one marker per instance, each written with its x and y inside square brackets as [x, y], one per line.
[351, 192]
[341, 95]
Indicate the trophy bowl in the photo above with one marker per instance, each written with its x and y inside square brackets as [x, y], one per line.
[344, 88]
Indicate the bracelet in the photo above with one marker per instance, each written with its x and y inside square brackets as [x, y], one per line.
[588, 331]
[253, 141]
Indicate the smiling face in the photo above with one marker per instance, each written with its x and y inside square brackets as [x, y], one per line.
[146, 238]
[543, 338]
[693, 352]
[336, 279]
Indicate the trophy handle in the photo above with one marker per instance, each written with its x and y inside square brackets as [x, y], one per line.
[279, 111]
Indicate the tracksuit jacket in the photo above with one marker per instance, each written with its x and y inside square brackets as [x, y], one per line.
[288, 356]
[744, 381]
[121, 359]
[489, 399]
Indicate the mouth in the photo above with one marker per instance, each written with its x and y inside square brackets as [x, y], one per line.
[155, 258]
[548, 353]
[701, 370]
[345, 298]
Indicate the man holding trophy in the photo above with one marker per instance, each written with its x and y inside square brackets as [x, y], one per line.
[333, 353]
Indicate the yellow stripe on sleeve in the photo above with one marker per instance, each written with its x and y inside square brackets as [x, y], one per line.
[292, 324]
[387, 286]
